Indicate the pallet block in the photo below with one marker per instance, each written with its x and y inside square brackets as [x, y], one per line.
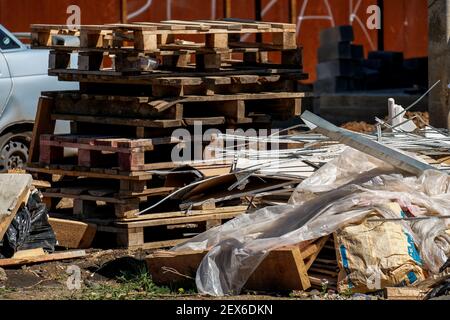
[73, 234]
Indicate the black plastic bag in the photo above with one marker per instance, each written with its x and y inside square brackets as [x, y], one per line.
[29, 229]
[441, 289]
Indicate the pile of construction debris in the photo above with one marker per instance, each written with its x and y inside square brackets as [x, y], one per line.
[26, 231]
[374, 216]
[312, 206]
[358, 214]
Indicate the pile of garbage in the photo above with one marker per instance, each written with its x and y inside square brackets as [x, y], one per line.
[386, 208]
[30, 229]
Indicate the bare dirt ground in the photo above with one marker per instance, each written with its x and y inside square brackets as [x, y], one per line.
[114, 275]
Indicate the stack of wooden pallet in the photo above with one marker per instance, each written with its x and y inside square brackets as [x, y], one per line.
[138, 83]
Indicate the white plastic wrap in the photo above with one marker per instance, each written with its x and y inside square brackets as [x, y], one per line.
[343, 191]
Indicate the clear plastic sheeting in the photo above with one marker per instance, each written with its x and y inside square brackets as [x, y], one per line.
[343, 191]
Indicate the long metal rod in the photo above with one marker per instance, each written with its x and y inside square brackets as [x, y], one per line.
[368, 146]
[417, 101]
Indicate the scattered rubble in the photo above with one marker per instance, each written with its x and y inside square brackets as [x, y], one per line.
[356, 212]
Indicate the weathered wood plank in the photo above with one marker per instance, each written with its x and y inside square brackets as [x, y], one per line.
[14, 191]
[73, 234]
[4, 263]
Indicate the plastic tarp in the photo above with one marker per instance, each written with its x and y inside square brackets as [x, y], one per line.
[344, 191]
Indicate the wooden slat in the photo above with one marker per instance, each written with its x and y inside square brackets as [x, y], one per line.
[179, 220]
[404, 293]
[14, 191]
[4, 263]
[34, 167]
[43, 125]
[190, 213]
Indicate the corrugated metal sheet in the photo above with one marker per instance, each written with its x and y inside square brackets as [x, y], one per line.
[405, 20]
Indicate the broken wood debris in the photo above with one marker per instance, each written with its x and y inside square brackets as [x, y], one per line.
[29, 259]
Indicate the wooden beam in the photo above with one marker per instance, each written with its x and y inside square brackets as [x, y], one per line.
[42, 125]
[406, 293]
[41, 259]
[31, 253]
[14, 191]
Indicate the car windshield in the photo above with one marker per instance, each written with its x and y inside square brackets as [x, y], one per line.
[6, 42]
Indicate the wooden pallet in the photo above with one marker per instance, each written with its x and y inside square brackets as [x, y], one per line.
[104, 152]
[159, 230]
[284, 269]
[132, 44]
[110, 76]
[166, 35]
[181, 86]
[154, 112]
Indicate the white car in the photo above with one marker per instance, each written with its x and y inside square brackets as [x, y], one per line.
[23, 76]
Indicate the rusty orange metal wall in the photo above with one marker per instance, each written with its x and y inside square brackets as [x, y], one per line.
[405, 27]
[17, 15]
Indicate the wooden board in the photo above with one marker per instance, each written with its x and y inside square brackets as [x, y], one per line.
[140, 176]
[26, 254]
[282, 270]
[14, 191]
[4, 263]
[73, 234]
[118, 77]
[42, 125]
[405, 293]
[182, 220]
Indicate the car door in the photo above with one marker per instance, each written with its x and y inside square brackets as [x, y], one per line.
[5, 82]
[8, 45]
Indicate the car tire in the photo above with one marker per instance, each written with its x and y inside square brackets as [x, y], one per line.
[14, 148]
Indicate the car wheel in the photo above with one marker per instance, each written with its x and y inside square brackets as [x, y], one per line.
[14, 149]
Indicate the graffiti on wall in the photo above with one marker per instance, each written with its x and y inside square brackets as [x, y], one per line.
[141, 10]
[357, 15]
